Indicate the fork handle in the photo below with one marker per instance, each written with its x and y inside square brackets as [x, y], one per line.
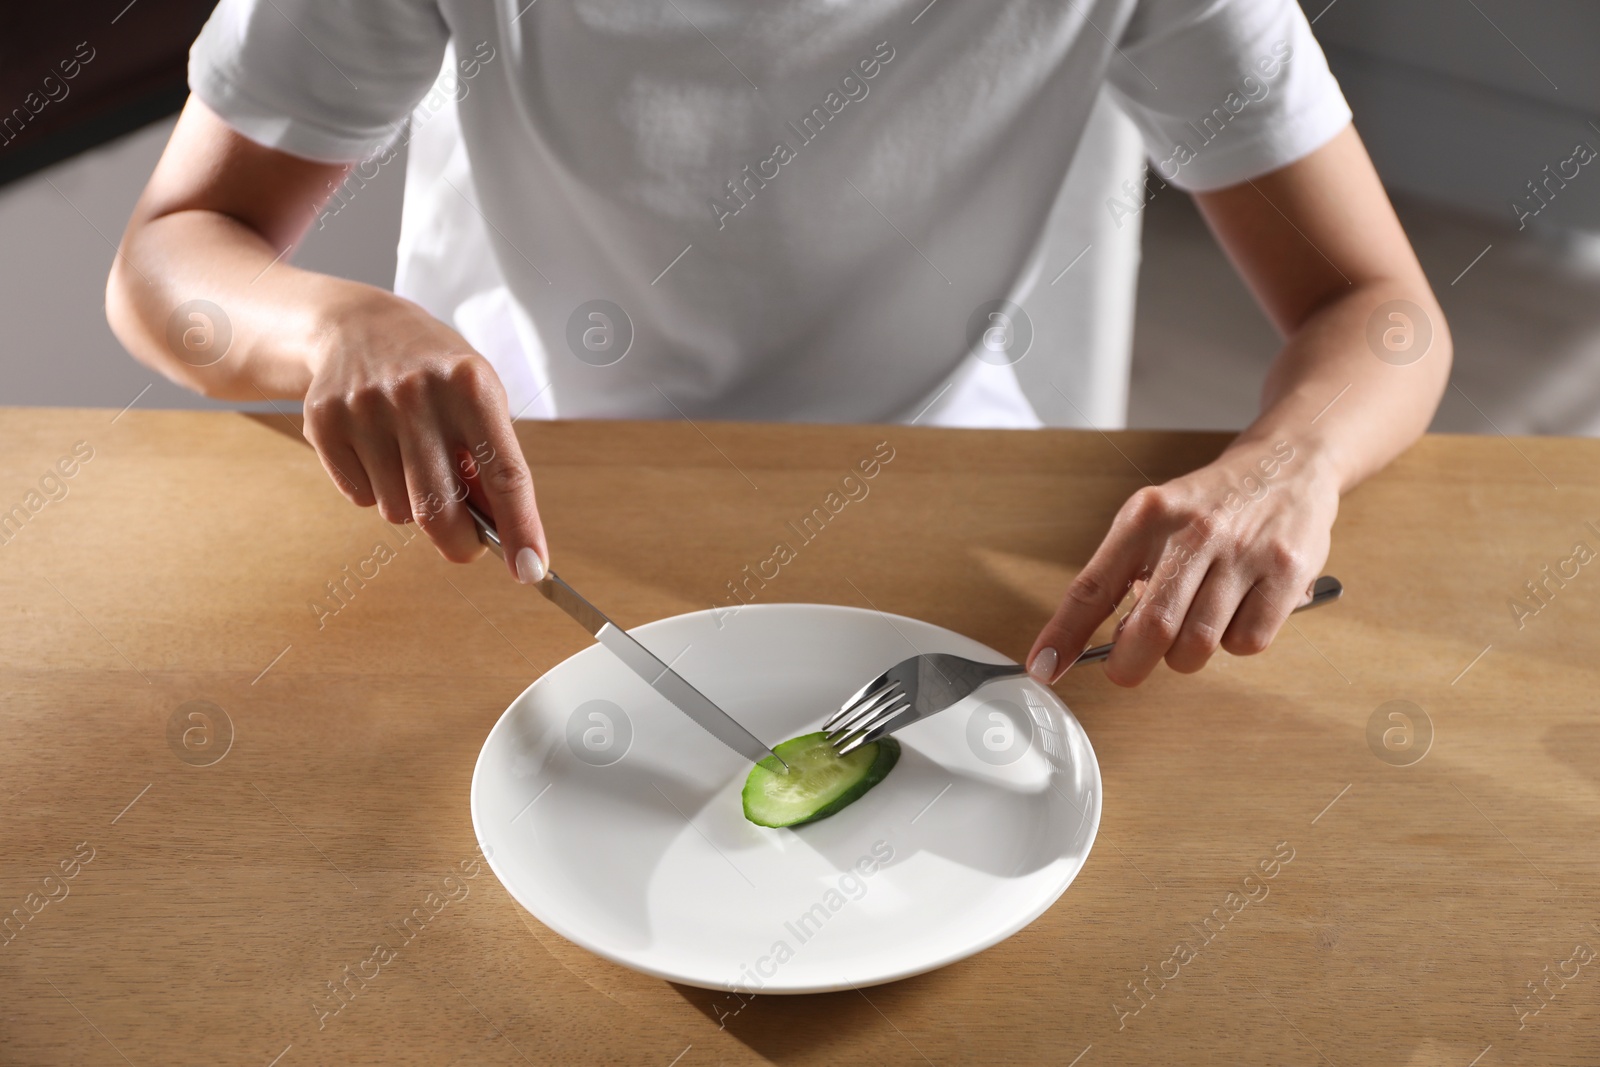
[1324, 590]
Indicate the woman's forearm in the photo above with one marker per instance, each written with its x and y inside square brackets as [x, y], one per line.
[1331, 395]
[1222, 554]
[186, 284]
[201, 288]
[1367, 351]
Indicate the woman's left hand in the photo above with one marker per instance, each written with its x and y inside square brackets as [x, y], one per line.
[1222, 554]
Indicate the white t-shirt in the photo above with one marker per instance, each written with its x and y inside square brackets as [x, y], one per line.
[792, 210]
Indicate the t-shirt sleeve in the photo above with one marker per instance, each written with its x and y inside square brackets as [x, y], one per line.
[328, 80]
[1226, 90]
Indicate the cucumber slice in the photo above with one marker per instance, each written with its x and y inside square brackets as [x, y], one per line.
[818, 783]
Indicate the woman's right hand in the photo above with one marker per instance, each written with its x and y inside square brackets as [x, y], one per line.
[406, 416]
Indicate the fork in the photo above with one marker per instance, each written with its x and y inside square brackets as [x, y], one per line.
[927, 684]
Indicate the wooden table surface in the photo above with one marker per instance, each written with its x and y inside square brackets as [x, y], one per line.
[166, 906]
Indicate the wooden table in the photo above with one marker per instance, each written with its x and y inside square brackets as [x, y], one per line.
[182, 908]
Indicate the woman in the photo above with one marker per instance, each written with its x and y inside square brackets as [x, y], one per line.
[794, 210]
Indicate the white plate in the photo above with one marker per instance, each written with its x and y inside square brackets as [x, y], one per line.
[639, 850]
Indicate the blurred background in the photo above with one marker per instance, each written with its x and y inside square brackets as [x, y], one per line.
[1470, 108]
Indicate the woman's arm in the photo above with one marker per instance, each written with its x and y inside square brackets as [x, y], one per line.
[397, 404]
[1224, 553]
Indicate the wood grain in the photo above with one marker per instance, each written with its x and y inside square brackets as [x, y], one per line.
[180, 564]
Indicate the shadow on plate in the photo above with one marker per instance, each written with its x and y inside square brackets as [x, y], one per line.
[922, 806]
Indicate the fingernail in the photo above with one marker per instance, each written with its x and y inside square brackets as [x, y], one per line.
[1043, 665]
[530, 568]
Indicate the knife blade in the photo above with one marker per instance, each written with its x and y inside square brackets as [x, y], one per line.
[640, 660]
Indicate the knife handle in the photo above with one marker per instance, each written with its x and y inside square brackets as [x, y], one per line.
[554, 589]
[486, 531]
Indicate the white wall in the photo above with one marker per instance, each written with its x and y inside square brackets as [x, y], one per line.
[58, 230]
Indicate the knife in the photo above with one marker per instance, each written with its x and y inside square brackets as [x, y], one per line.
[640, 660]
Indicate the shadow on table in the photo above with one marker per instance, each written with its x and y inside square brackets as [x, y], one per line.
[795, 1028]
[1576, 744]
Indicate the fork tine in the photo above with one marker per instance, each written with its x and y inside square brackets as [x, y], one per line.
[867, 722]
[906, 717]
[887, 695]
[868, 715]
[860, 693]
[863, 695]
[896, 673]
[866, 692]
[892, 719]
[866, 707]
